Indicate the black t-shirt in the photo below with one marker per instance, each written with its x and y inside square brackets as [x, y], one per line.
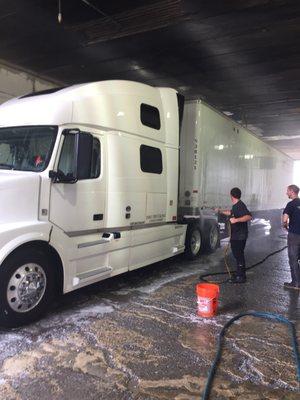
[292, 209]
[239, 230]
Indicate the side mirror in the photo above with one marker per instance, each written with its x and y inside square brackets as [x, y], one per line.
[75, 158]
[84, 151]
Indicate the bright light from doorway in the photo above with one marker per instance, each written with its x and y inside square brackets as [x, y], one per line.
[296, 176]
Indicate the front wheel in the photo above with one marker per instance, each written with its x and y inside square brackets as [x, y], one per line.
[26, 287]
[193, 242]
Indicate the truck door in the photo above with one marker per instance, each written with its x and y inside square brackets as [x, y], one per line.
[78, 207]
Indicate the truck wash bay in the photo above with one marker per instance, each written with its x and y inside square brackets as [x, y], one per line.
[90, 215]
[87, 214]
[137, 335]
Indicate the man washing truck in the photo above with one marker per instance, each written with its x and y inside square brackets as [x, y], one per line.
[239, 217]
[87, 213]
[291, 221]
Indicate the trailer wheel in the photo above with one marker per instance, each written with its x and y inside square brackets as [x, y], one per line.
[212, 238]
[26, 287]
[193, 242]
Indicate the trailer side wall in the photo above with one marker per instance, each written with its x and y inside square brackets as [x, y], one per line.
[218, 154]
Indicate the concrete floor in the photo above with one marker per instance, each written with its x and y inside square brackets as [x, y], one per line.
[137, 336]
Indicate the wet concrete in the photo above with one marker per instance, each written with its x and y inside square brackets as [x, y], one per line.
[137, 336]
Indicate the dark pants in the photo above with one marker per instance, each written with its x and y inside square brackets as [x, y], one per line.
[237, 248]
[294, 252]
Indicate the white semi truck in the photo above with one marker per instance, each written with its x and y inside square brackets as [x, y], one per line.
[90, 185]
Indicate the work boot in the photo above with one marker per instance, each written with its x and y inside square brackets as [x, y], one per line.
[291, 285]
[241, 271]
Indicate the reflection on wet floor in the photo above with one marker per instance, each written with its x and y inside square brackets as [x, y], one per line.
[137, 336]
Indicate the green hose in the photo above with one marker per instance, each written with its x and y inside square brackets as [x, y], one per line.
[276, 317]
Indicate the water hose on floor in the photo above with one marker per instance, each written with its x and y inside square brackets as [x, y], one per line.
[276, 317]
[230, 272]
[202, 277]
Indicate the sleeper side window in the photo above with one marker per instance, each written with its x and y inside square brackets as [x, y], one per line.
[150, 116]
[151, 159]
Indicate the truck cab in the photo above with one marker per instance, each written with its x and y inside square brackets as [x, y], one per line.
[89, 179]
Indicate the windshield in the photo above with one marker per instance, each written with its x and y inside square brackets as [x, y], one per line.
[26, 148]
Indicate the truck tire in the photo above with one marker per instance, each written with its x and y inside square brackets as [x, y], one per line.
[193, 242]
[212, 238]
[26, 287]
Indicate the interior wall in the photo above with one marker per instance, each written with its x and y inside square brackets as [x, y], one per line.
[296, 179]
[15, 83]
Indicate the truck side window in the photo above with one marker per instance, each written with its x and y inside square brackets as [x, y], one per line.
[67, 162]
[150, 116]
[151, 159]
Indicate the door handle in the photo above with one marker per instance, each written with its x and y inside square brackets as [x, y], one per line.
[109, 236]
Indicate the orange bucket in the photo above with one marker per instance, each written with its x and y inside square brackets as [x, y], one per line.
[207, 299]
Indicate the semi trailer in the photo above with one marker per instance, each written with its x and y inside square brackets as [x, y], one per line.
[97, 179]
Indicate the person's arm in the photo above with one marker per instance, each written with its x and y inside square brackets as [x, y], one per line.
[285, 221]
[225, 212]
[244, 218]
[286, 216]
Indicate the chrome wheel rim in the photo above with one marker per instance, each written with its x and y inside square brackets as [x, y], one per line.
[195, 242]
[26, 287]
[213, 237]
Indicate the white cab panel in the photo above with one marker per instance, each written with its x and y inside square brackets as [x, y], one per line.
[35, 111]
[73, 206]
[170, 116]
[19, 196]
[118, 202]
[172, 161]
[134, 197]
[156, 207]
[153, 244]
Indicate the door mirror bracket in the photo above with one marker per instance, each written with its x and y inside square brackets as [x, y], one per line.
[59, 177]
